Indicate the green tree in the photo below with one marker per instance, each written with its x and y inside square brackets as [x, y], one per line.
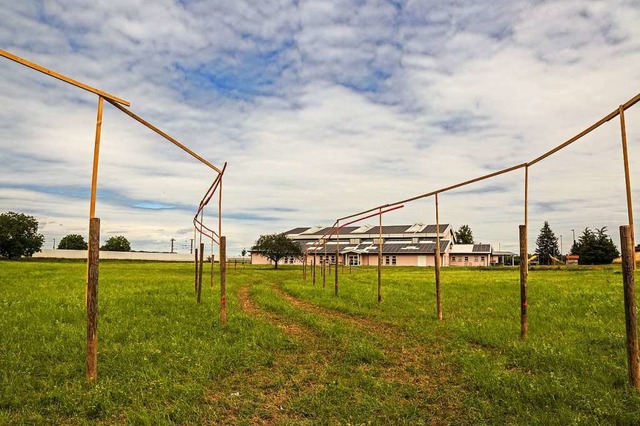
[464, 235]
[73, 242]
[595, 248]
[546, 245]
[277, 246]
[117, 243]
[19, 235]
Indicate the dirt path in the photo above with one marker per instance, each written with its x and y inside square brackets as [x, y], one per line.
[307, 366]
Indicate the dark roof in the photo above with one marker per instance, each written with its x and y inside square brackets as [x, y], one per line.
[405, 248]
[344, 231]
[296, 231]
[481, 248]
[387, 248]
[431, 229]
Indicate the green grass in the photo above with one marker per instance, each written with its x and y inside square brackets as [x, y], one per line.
[313, 359]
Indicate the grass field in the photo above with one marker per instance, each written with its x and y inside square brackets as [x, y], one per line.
[292, 353]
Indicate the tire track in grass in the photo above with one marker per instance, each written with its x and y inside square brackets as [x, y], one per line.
[407, 362]
[265, 391]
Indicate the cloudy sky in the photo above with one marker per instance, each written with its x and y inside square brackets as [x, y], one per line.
[321, 109]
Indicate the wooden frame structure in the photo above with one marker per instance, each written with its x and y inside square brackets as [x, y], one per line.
[523, 229]
[91, 293]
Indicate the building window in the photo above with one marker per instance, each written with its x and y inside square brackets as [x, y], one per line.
[475, 258]
[453, 258]
[482, 258]
[353, 259]
[466, 258]
[393, 260]
[386, 260]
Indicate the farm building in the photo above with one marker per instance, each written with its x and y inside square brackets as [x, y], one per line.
[402, 245]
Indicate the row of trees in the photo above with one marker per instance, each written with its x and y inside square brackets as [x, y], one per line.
[594, 248]
[19, 237]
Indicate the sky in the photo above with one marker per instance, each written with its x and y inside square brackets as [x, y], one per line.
[321, 109]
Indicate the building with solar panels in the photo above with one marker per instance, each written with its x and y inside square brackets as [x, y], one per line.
[402, 245]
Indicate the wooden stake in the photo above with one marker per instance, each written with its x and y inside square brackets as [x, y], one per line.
[380, 256]
[627, 178]
[92, 300]
[200, 270]
[630, 313]
[304, 267]
[223, 280]
[436, 258]
[524, 257]
[335, 280]
[313, 271]
[213, 263]
[195, 286]
[324, 267]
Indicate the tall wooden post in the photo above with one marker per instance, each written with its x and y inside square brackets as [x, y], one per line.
[223, 280]
[92, 300]
[313, 270]
[627, 178]
[324, 266]
[379, 255]
[335, 280]
[94, 184]
[526, 199]
[196, 263]
[436, 257]
[630, 313]
[200, 271]
[524, 324]
[304, 266]
[213, 264]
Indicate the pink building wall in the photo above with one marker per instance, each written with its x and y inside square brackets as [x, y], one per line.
[472, 259]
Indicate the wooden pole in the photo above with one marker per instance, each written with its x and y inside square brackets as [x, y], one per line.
[94, 188]
[379, 255]
[223, 280]
[200, 270]
[436, 258]
[524, 324]
[324, 267]
[92, 300]
[195, 286]
[62, 77]
[213, 263]
[526, 201]
[313, 270]
[630, 313]
[627, 178]
[304, 267]
[335, 279]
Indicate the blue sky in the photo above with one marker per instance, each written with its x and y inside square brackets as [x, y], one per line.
[321, 109]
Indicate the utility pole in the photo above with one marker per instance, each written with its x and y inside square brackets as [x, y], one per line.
[54, 243]
[573, 232]
[172, 240]
[560, 244]
[191, 250]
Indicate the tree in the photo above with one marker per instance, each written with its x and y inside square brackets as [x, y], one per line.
[19, 235]
[277, 246]
[244, 252]
[595, 248]
[73, 242]
[117, 243]
[546, 245]
[464, 235]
